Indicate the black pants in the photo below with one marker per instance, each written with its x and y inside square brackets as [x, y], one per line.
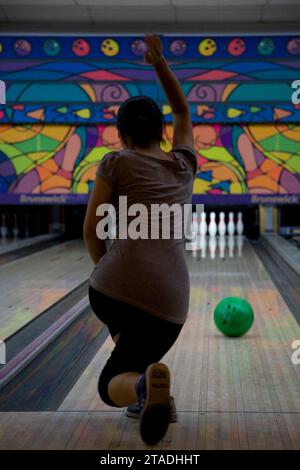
[144, 338]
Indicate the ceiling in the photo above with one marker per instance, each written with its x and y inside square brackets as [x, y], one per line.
[150, 15]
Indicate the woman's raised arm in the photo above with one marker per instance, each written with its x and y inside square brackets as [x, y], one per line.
[183, 131]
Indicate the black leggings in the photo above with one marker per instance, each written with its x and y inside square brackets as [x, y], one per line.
[144, 338]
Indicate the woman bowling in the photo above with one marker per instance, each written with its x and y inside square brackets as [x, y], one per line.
[140, 286]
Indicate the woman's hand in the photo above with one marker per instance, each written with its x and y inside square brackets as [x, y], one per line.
[155, 48]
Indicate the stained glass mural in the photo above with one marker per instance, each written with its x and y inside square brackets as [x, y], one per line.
[63, 94]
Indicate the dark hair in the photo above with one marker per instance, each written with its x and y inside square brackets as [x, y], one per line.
[141, 119]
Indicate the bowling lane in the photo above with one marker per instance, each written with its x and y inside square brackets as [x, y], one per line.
[32, 284]
[245, 385]
[15, 249]
[10, 245]
[111, 430]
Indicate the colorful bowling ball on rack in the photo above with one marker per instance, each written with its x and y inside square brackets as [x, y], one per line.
[266, 46]
[178, 47]
[236, 47]
[138, 47]
[81, 47]
[233, 316]
[293, 46]
[207, 47]
[51, 47]
[110, 47]
[22, 47]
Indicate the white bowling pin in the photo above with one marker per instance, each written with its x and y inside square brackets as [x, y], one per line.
[240, 225]
[231, 226]
[222, 246]
[240, 242]
[194, 246]
[203, 224]
[212, 247]
[212, 228]
[231, 246]
[222, 225]
[194, 226]
[198, 238]
[203, 245]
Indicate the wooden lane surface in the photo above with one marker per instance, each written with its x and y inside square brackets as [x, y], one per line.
[241, 393]
[32, 284]
[105, 430]
[211, 372]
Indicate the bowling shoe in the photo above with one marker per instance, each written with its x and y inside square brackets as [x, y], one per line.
[154, 417]
[133, 411]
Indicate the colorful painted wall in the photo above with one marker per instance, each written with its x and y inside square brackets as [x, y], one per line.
[63, 93]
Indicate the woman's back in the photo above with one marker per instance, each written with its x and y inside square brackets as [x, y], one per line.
[148, 272]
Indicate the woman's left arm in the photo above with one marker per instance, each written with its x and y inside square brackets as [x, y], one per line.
[101, 193]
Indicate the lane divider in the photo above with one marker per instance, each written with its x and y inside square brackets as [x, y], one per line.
[30, 352]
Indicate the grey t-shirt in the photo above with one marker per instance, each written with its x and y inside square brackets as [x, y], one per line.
[150, 274]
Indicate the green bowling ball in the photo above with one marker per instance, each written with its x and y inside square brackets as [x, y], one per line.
[233, 316]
